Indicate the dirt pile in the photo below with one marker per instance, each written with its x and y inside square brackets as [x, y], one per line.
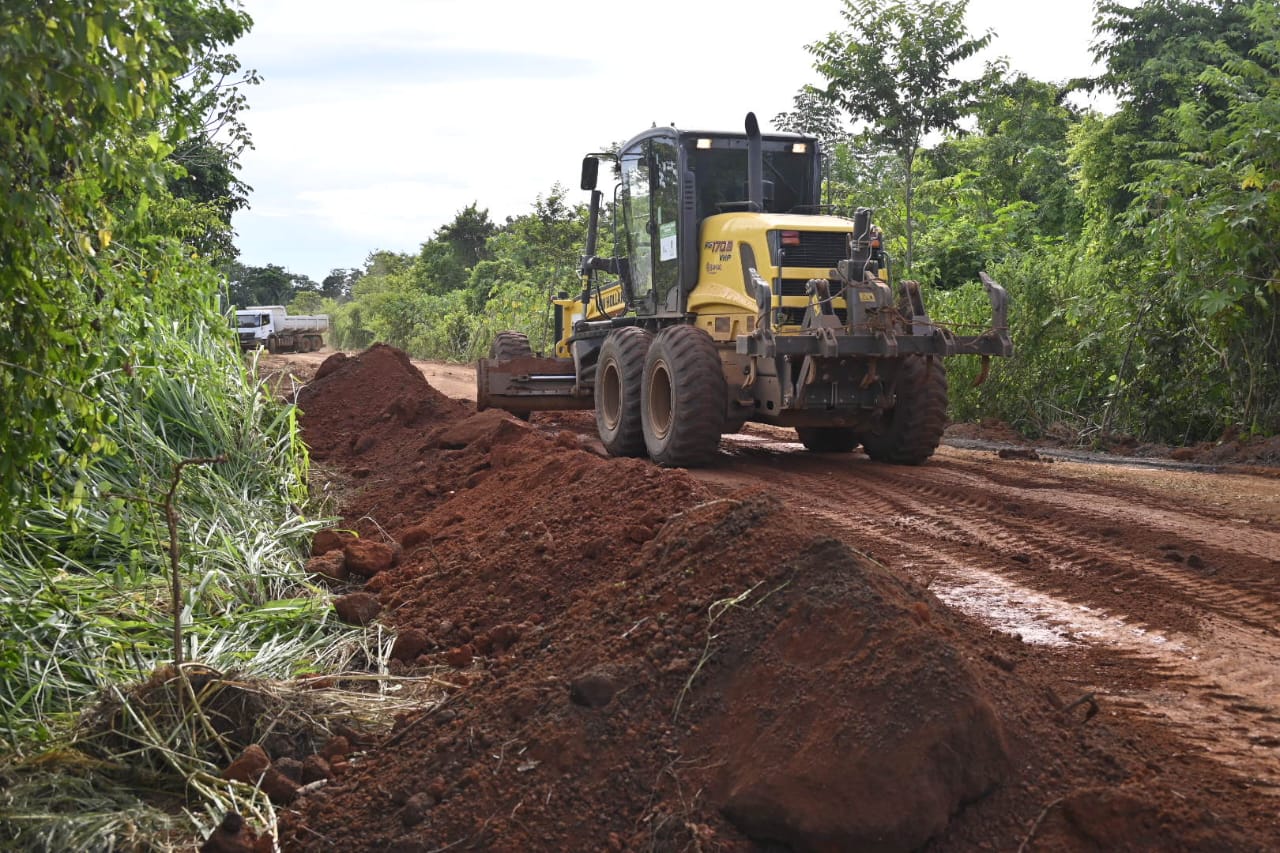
[369, 421]
[853, 722]
[639, 662]
[372, 410]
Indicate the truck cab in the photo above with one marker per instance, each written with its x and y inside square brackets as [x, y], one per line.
[255, 326]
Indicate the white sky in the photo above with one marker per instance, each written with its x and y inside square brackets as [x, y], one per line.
[377, 121]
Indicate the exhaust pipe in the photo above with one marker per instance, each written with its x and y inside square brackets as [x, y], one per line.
[755, 164]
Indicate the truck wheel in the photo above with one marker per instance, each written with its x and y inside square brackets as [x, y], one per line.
[619, 377]
[273, 346]
[909, 432]
[827, 439]
[509, 345]
[682, 398]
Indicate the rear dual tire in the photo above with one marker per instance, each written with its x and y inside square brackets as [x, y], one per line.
[683, 395]
[619, 383]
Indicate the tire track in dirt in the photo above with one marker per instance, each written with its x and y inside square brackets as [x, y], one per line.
[1066, 540]
[1098, 568]
[1054, 542]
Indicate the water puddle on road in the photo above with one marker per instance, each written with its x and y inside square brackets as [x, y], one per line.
[1040, 619]
[1219, 689]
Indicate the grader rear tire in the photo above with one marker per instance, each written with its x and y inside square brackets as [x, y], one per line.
[911, 431]
[827, 439]
[619, 377]
[683, 398]
[509, 345]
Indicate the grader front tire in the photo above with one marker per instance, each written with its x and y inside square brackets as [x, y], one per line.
[912, 430]
[509, 345]
[683, 398]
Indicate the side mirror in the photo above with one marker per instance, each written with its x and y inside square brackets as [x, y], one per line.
[590, 172]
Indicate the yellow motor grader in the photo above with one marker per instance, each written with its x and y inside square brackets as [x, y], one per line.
[732, 297]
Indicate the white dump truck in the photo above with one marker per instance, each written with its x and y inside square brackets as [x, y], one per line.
[270, 326]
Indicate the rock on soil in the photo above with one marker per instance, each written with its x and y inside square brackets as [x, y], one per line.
[249, 766]
[358, 608]
[367, 558]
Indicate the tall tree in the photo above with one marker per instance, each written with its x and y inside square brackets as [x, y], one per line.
[468, 233]
[893, 67]
[446, 260]
[994, 192]
[269, 285]
[338, 283]
[1206, 189]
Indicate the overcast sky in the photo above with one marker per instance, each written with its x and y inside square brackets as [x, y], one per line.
[377, 121]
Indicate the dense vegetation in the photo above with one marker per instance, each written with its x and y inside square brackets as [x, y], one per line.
[150, 488]
[1139, 247]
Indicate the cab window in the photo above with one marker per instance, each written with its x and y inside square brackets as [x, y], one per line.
[651, 190]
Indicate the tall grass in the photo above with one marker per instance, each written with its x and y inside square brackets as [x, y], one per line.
[85, 606]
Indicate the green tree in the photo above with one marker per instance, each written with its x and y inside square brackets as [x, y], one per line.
[445, 261]
[892, 69]
[308, 302]
[1208, 203]
[1000, 189]
[435, 307]
[269, 285]
[206, 155]
[338, 283]
[90, 103]
[468, 233]
[1176, 191]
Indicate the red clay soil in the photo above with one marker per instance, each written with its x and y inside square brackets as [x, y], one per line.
[644, 663]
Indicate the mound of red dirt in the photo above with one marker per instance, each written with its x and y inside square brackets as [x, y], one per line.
[632, 638]
[642, 663]
[607, 616]
[373, 408]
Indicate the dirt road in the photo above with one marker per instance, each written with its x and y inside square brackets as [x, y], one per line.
[1159, 590]
[1152, 596]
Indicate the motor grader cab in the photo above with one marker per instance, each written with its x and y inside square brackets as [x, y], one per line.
[731, 297]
